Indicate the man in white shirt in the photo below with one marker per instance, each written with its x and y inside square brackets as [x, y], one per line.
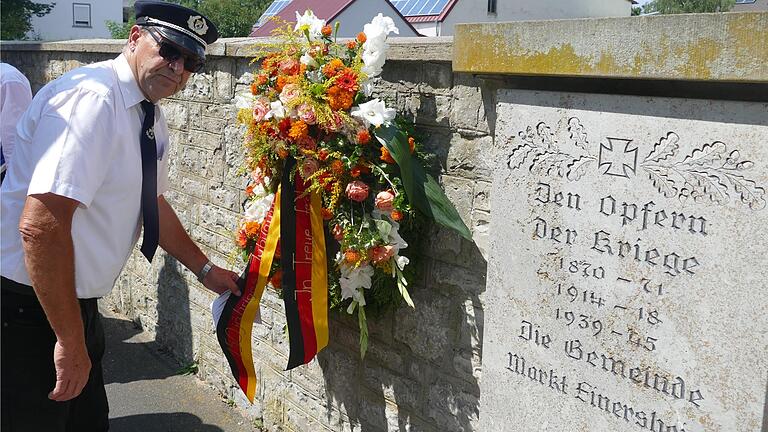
[90, 169]
[15, 97]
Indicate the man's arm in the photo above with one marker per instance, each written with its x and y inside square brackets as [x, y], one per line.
[175, 240]
[46, 234]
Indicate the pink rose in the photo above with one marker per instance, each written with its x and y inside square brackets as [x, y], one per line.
[307, 143]
[260, 109]
[307, 114]
[338, 233]
[382, 253]
[289, 66]
[290, 92]
[384, 201]
[357, 191]
[308, 168]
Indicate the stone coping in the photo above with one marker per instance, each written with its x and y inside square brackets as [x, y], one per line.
[403, 49]
[729, 47]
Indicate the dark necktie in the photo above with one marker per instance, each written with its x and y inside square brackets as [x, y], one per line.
[149, 182]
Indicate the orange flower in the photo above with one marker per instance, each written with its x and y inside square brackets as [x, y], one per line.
[327, 215]
[326, 31]
[299, 130]
[277, 279]
[337, 167]
[282, 152]
[339, 99]
[249, 189]
[411, 144]
[352, 256]
[254, 88]
[351, 45]
[347, 80]
[363, 137]
[252, 229]
[261, 79]
[397, 215]
[333, 67]
[361, 37]
[280, 83]
[385, 156]
[322, 154]
[355, 172]
[242, 239]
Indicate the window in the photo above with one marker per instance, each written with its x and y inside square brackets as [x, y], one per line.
[492, 7]
[81, 15]
[744, 1]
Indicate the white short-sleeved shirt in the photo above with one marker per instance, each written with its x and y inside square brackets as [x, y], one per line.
[15, 97]
[80, 139]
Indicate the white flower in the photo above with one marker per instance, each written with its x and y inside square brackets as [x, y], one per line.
[315, 76]
[367, 88]
[308, 60]
[311, 23]
[402, 262]
[276, 110]
[256, 210]
[386, 23]
[354, 278]
[244, 100]
[373, 112]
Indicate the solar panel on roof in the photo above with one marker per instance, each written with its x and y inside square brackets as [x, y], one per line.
[271, 11]
[419, 7]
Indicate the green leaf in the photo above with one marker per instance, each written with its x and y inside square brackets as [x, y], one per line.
[363, 331]
[384, 228]
[402, 285]
[423, 191]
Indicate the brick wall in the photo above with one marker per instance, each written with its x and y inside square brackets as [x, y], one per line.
[422, 369]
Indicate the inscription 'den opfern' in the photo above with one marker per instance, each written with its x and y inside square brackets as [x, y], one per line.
[710, 172]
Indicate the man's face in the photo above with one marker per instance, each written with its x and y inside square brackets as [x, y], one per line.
[157, 77]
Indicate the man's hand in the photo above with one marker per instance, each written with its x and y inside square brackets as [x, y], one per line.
[73, 367]
[219, 280]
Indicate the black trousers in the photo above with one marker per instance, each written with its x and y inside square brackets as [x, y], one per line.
[28, 372]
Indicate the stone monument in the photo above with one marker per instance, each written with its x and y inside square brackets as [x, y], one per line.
[627, 275]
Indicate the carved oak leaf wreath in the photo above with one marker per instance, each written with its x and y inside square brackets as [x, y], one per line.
[710, 172]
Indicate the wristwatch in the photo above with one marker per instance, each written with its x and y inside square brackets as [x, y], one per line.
[204, 271]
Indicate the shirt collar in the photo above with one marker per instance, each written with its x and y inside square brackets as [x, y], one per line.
[129, 88]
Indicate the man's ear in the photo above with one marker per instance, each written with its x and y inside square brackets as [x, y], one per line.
[133, 37]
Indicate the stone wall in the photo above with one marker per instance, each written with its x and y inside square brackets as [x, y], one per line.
[422, 367]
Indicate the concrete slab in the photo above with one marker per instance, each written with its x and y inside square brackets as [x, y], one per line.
[146, 393]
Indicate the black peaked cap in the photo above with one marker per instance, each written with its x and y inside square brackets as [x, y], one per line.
[187, 28]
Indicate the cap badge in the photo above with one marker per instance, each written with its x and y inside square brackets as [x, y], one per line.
[197, 24]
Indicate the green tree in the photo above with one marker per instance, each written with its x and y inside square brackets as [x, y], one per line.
[233, 18]
[16, 17]
[636, 11]
[688, 6]
[120, 30]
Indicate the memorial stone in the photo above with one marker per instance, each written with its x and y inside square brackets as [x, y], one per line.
[627, 271]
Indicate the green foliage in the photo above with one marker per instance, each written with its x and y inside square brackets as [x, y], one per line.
[233, 18]
[120, 30]
[423, 191]
[688, 6]
[636, 11]
[190, 369]
[16, 16]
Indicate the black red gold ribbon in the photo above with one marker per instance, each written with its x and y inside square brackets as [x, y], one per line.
[295, 219]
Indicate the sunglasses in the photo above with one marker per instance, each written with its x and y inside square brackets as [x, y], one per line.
[170, 53]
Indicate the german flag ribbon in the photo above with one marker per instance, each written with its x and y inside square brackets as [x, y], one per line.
[235, 325]
[303, 260]
[295, 223]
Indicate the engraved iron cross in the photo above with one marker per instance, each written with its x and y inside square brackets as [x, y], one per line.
[618, 163]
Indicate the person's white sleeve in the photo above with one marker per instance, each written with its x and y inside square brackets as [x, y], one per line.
[74, 137]
[16, 97]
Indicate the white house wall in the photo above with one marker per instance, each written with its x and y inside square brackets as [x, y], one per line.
[466, 11]
[58, 25]
[361, 12]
